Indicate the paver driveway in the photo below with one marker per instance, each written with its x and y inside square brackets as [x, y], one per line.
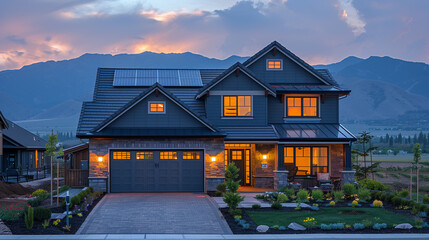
[155, 213]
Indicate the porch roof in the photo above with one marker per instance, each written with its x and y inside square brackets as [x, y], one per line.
[312, 132]
[250, 133]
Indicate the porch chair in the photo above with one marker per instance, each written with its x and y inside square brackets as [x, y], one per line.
[292, 174]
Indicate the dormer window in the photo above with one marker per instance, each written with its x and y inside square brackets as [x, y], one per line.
[237, 106]
[274, 64]
[156, 107]
[302, 106]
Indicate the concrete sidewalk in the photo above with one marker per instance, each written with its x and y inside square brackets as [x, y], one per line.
[216, 237]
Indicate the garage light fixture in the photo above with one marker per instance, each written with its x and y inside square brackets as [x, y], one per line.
[213, 159]
[100, 159]
[264, 156]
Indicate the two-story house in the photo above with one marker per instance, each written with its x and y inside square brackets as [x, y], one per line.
[175, 130]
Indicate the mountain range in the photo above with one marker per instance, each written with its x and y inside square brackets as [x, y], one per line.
[49, 94]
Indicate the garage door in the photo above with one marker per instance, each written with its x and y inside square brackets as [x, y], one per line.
[157, 171]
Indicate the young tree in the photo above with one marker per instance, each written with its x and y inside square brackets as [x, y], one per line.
[417, 157]
[51, 151]
[231, 197]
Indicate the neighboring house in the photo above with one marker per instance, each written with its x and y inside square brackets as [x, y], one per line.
[3, 125]
[174, 130]
[22, 150]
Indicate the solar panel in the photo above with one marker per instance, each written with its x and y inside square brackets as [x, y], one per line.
[165, 77]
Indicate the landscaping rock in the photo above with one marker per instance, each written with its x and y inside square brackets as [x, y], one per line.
[262, 228]
[58, 215]
[404, 226]
[4, 230]
[296, 227]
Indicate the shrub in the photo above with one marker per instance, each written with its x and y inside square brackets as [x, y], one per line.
[379, 226]
[349, 189]
[302, 195]
[232, 199]
[372, 185]
[358, 226]
[221, 187]
[354, 203]
[13, 211]
[375, 195]
[282, 228]
[332, 203]
[218, 193]
[309, 222]
[42, 213]
[276, 205]
[415, 210]
[235, 212]
[377, 204]
[38, 192]
[364, 194]
[426, 199]
[317, 195]
[39, 199]
[282, 198]
[396, 201]
[288, 191]
[259, 196]
[332, 226]
[338, 196]
[256, 206]
[404, 193]
[29, 218]
[46, 223]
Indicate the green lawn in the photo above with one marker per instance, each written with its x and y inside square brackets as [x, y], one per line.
[329, 215]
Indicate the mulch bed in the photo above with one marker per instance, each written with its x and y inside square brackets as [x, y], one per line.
[236, 229]
[14, 189]
[18, 227]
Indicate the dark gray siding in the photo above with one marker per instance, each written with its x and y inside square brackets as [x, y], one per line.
[174, 117]
[292, 73]
[242, 82]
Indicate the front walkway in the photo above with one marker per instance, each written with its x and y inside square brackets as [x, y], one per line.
[172, 213]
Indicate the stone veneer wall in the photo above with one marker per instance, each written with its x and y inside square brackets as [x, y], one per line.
[336, 155]
[264, 177]
[98, 147]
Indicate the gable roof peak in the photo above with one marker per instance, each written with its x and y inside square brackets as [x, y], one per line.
[293, 57]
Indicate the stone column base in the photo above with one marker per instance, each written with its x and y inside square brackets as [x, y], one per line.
[280, 179]
[98, 184]
[348, 177]
[212, 182]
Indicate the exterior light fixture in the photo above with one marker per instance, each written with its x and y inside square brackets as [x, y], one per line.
[213, 159]
[100, 159]
[264, 156]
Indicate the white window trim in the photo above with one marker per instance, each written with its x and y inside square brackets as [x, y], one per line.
[274, 69]
[156, 102]
[236, 117]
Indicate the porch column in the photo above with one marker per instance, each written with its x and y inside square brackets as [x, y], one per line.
[348, 173]
[348, 155]
[280, 159]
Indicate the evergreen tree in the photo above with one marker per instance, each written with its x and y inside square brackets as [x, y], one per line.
[391, 141]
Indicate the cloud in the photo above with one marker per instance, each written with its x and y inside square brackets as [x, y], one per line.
[41, 30]
[351, 15]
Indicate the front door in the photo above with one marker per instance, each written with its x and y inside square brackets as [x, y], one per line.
[237, 157]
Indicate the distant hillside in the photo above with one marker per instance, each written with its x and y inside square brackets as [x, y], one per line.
[49, 94]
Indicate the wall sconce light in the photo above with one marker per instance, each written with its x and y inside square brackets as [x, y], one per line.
[213, 159]
[100, 159]
[264, 156]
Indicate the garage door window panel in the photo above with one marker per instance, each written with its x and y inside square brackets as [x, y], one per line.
[168, 155]
[191, 155]
[121, 155]
[144, 155]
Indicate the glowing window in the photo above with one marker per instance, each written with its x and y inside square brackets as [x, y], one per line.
[236, 155]
[308, 160]
[191, 155]
[121, 155]
[302, 106]
[274, 64]
[144, 155]
[168, 155]
[156, 107]
[234, 106]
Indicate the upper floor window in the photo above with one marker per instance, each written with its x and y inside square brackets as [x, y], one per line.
[274, 64]
[156, 107]
[237, 106]
[302, 107]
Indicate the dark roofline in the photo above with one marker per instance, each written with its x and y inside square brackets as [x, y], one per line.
[142, 96]
[3, 119]
[7, 135]
[227, 72]
[292, 56]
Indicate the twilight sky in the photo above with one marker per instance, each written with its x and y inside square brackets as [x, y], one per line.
[318, 31]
